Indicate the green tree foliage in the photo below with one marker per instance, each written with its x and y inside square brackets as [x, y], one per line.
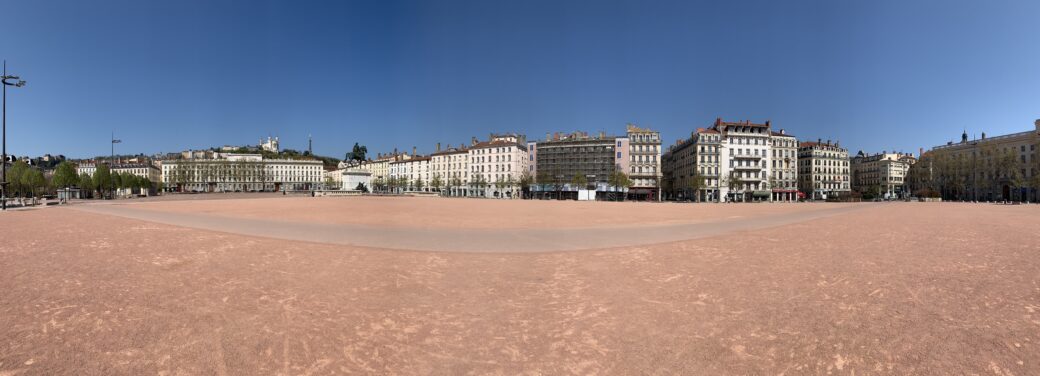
[579, 181]
[436, 182]
[103, 180]
[86, 183]
[15, 187]
[65, 175]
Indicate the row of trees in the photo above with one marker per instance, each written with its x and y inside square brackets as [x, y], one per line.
[29, 182]
[479, 183]
[24, 181]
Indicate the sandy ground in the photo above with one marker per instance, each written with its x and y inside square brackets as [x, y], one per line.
[433, 212]
[905, 288]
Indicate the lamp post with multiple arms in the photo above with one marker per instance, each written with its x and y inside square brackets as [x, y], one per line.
[16, 82]
[113, 155]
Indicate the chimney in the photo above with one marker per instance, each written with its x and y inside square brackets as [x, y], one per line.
[413, 151]
[782, 131]
[548, 137]
[491, 136]
[438, 146]
[767, 123]
[718, 121]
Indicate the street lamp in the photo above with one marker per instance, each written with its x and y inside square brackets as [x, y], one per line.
[112, 159]
[16, 82]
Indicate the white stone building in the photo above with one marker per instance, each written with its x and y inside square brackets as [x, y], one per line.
[241, 173]
[496, 166]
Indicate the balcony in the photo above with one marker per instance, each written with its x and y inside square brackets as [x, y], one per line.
[748, 168]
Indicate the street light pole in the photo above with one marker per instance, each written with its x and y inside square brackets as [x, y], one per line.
[3, 178]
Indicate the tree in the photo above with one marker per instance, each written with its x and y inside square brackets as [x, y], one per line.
[419, 184]
[14, 179]
[510, 183]
[65, 175]
[479, 183]
[1007, 167]
[697, 184]
[579, 181]
[33, 181]
[436, 182]
[525, 183]
[455, 182]
[733, 181]
[86, 184]
[103, 180]
[499, 184]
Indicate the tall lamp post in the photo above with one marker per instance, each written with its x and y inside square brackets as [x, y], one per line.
[113, 155]
[16, 82]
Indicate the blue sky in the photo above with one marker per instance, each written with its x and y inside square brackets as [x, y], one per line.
[167, 76]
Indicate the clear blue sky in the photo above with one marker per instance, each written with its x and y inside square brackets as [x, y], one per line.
[172, 75]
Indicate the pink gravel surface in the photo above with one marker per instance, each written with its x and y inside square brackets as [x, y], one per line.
[907, 288]
[433, 212]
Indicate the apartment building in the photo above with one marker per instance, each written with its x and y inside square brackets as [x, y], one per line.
[497, 165]
[451, 165]
[410, 173]
[644, 167]
[882, 174]
[784, 162]
[823, 170]
[730, 161]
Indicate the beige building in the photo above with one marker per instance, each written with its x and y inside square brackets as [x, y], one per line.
[146, 170]
[1004, 167]
[881, 175]
[823, 170]
[451, 165]
[644, 165]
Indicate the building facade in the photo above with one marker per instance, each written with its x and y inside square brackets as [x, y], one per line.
[823, 170]
[451, 167]
[784, 162]
[731, 161]
[1004, 167]
[881, 175]
[561, 158]
[241, 173]
[644, 167]
[497, 165]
